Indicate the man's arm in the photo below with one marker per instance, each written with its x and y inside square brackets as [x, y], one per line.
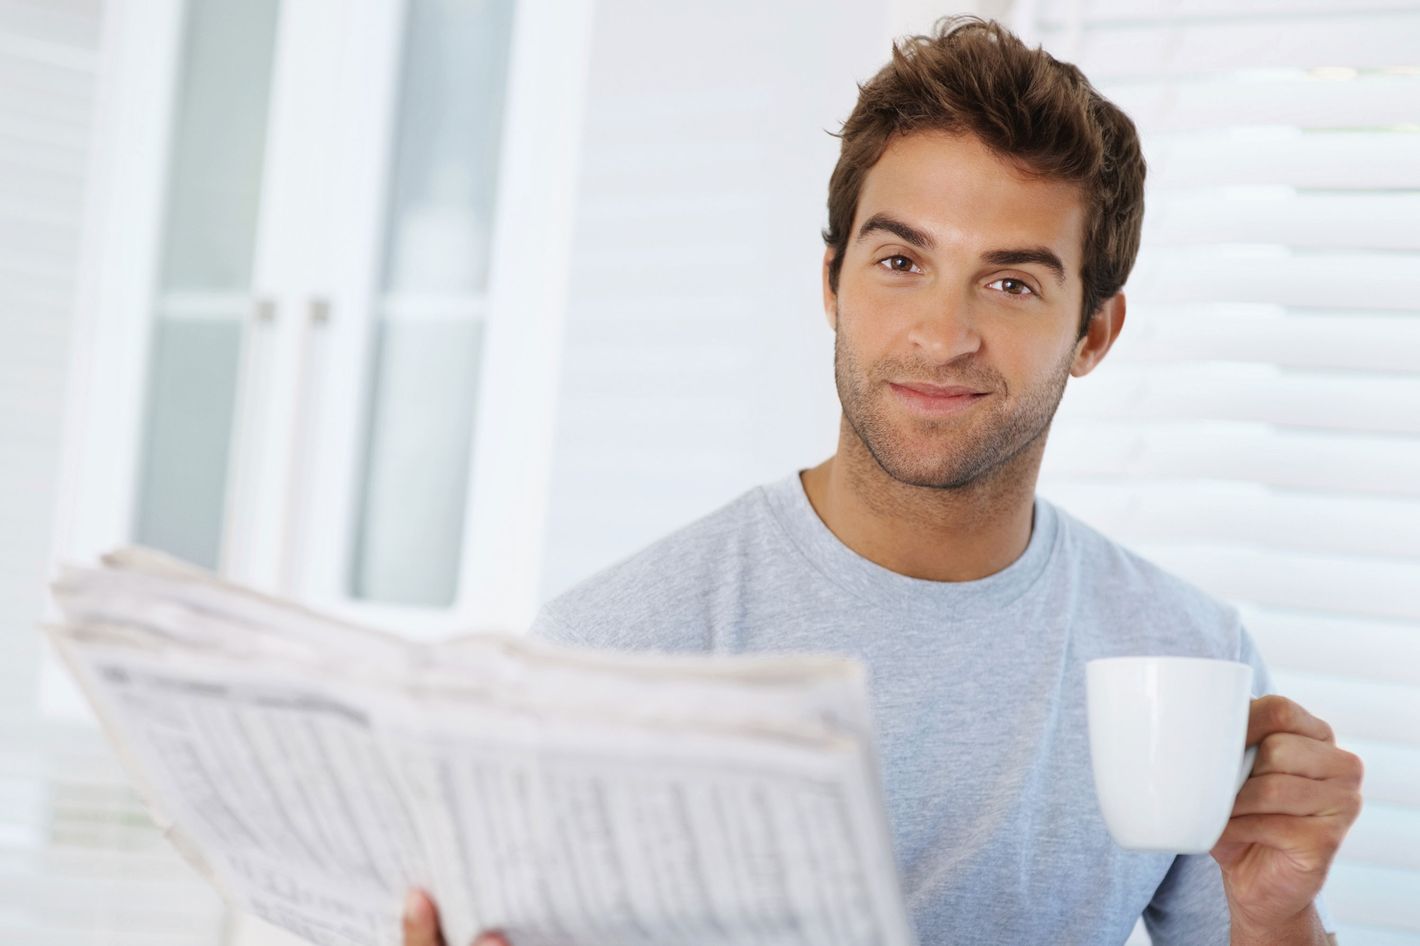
[1287, 824]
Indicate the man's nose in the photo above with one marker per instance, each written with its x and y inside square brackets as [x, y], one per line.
[945, 327]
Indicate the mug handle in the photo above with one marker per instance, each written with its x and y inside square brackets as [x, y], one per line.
[1248, 759]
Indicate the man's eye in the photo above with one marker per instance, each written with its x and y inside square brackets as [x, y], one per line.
[898, 264]
[1012, 287]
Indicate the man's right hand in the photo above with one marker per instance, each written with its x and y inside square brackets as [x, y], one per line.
[421, 924]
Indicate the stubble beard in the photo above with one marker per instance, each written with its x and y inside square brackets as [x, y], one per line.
[961, 450]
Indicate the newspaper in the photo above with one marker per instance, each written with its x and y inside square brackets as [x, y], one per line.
[315, 771]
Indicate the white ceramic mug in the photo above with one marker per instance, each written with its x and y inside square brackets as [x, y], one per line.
[1166, 743]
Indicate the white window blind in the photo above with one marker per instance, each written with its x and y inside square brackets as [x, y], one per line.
[81, 864]
[1257, 427]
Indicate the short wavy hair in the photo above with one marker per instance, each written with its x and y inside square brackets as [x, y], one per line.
[975, 76]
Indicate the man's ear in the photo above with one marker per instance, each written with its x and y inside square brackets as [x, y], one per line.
[830, 298]
[1105, 326]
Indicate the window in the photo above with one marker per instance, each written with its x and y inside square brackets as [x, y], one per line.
[1257, 427]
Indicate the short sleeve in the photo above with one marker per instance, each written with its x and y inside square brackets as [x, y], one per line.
[1189, 908]
[1248, 654]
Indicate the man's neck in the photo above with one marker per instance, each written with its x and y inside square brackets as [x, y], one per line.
[935, 534]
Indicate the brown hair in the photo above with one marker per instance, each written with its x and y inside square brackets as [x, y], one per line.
[975, 76]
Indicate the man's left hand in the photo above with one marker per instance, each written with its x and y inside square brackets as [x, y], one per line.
[1289, 819]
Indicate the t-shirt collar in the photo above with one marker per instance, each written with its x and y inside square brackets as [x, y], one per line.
[869, 580]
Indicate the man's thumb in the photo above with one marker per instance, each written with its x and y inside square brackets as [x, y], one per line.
[421, 921]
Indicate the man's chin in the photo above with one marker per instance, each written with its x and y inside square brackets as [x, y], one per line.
[937, 481]
[924, 472]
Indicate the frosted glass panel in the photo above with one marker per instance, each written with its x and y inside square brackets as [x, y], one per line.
[416, 470]
[433, 287]
[219, 138]
[193, 387]
[203, 294]
[446, 156]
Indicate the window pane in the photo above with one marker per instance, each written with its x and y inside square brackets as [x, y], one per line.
[436, 254]
[213, 193]
[219, 138]
[193, 385]
[416, 471]
[446, 157]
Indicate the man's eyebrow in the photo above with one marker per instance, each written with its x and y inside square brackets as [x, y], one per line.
[1044, 256]
[906, 231]
[1034, 254]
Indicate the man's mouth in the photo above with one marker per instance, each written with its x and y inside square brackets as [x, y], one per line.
[933, 398]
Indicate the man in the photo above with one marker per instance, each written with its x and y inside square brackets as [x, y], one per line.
[983, 217]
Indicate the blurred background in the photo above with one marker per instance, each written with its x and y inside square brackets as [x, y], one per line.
[422, 310]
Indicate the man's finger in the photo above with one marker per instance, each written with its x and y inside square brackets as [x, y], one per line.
[1291, 754]
[1309, 842]
[1277, 714]
[1278, 794]
[421, 921]
[491, 939]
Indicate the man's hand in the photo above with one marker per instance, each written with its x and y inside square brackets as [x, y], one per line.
[1288, 821]
[421, 924]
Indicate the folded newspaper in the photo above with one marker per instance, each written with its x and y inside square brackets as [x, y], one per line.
[315, 770]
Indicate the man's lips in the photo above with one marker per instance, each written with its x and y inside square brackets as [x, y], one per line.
[935, 399]
[935, 390]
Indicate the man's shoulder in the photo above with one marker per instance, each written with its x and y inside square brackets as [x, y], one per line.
[663, 597]
[1148, 604]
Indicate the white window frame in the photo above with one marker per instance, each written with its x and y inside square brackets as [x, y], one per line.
[282, 523]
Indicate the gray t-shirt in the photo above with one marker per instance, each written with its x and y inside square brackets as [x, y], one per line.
[978, 695]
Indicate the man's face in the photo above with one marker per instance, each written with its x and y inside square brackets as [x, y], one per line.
[956, 332]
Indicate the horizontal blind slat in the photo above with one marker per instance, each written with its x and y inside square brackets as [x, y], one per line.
[32, 935]
[1186, 47]
[1248, 514]
[1344, 161]
[1094, 12]
[1381, 712]
[1295, 101]
[1392, 771]
[1384, 836]
[1375, 896]
[73, 22]
[1359, 220]
[1255, 393]
[1383, 282]
[124, 885]
[158, 864]
[1172, 334]
[1340, 461]
[1366, 935]
[1346, 646]
[82, 911]
[1385, 589]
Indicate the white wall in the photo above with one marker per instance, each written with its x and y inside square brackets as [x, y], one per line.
[697, 360]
